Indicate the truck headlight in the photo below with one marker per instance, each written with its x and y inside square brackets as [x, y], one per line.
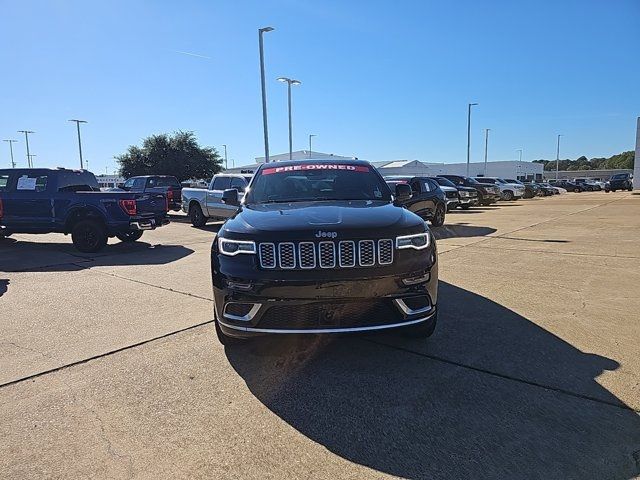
[417, 241]
[235, 247]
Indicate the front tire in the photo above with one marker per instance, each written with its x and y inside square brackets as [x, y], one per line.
[438, 216]
[130, 236]
[507, 195]
[89, 236]
[422, 330]
[576, 190]
[197, 217]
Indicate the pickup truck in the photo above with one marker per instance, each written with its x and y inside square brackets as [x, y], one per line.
[203, 204]
[166, 184]
[41, 200]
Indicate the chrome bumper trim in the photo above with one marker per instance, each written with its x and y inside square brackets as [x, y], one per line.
[328, 330]
[408, 311]
[245, 318]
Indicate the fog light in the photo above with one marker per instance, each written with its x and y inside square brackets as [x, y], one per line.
[419, 279]
[239, 285]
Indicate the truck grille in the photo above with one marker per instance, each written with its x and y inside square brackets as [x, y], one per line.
[326, 254]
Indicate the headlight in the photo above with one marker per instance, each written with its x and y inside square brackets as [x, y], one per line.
[234, 247]
[417, 241]
[464, 194]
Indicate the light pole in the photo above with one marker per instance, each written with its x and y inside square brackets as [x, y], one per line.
[469, 135]
[31, 159]
[558, 157]
[26, 138]
[11, 142]
[310, 137]
[78, 122]
[486, 148]
[519, 150]
[289, 82]
[261, 31]
[226, 164]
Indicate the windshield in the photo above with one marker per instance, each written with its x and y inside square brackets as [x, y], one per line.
[488, 181]
[501, 180]
[444, 182]
[316, 182]
[619, 176]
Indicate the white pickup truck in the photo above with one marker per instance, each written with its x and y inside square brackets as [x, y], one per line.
[202, 204]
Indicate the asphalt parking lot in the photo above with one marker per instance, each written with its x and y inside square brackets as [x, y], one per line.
[111, 368]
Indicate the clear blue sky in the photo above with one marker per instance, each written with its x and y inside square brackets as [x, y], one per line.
[380, 80]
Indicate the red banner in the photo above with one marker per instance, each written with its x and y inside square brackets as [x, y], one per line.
[316, 166]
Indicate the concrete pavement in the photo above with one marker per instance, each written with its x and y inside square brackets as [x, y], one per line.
[533, 371]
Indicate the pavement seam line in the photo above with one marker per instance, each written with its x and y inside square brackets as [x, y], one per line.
[167, 289]
[622, 406]
[102, 355]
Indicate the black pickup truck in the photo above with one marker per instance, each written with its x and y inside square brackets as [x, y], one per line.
[165, 184]
[40, 200]
[320, 247]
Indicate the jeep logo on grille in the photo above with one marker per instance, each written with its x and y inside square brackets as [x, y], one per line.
[322, 234]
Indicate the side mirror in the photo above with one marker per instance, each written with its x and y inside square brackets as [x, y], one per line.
[120, 186]
[403, 193]
[230, 197]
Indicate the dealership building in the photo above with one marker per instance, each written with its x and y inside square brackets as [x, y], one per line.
[506, 169]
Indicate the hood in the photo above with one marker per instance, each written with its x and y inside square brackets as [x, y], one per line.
[333, 219]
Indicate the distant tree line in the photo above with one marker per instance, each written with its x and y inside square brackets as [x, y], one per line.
[621, 160]
[177, 154]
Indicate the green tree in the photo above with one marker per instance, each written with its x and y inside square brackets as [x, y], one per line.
[621, 160]
[177, 154]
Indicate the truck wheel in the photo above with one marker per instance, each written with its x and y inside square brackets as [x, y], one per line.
[576, 190]
[438, 216]
[508, 195]
[130, 236]
[89, 236]
[197, 217]
[465, 206]
[422, 330]
[226, 340]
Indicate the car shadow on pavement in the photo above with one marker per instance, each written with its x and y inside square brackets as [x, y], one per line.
[50, 256]
[490, 395]
[4, 286]
[460, 229]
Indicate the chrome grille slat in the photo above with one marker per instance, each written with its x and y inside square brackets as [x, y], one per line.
[267, 255]
[366, 253]
[307, 254]
[287, 255]
[385, 251]
[347, 253]
[326, 254]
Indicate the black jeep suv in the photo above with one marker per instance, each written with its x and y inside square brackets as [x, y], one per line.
[320, 246]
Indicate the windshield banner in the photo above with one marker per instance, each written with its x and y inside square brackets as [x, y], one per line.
[319, 166]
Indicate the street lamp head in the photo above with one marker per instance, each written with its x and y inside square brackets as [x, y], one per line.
[283, 79]
[265, 29]
[78, 121]
[296, 82]
[472, 104]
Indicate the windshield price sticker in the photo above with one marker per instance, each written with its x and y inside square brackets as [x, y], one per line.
[321, 166]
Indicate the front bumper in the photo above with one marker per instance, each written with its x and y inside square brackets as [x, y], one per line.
[252, 302]
[468, 200]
